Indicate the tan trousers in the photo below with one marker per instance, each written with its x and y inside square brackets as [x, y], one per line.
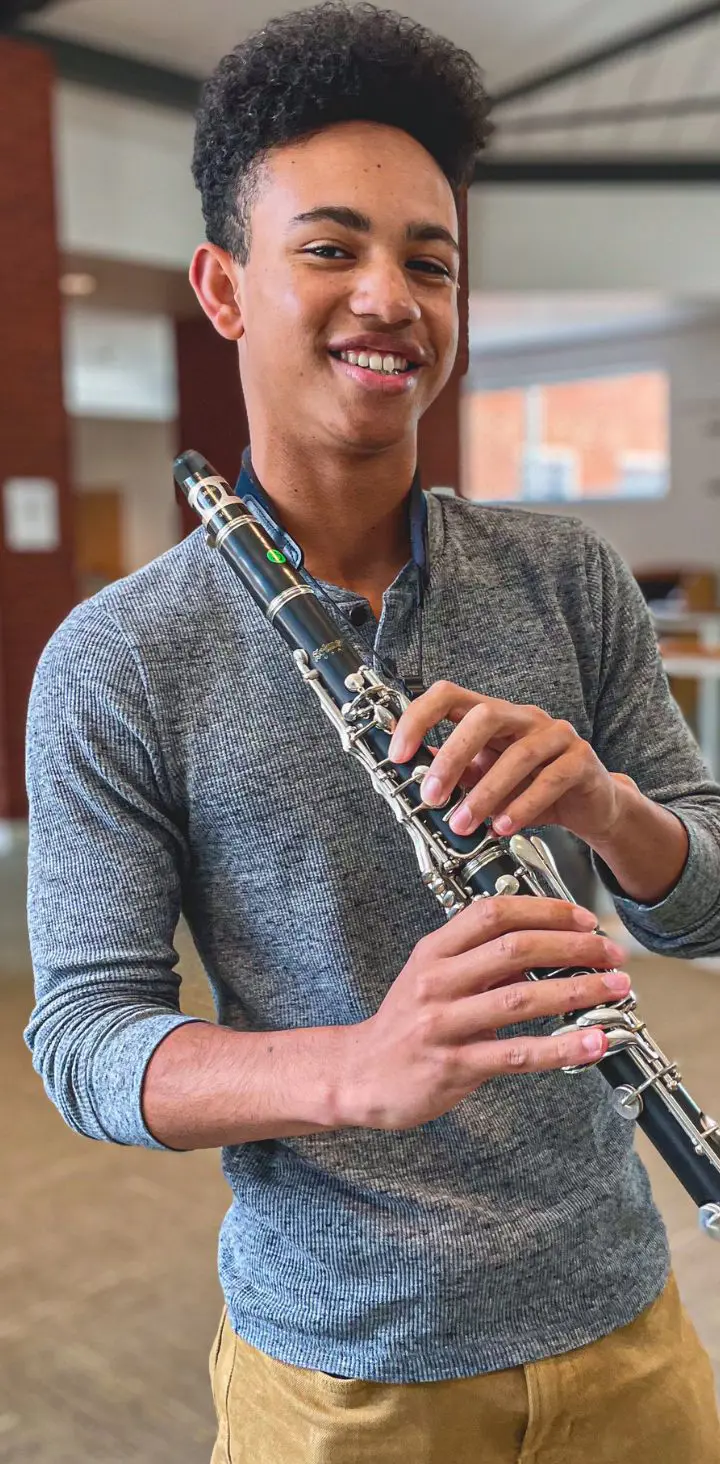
[643, 1395]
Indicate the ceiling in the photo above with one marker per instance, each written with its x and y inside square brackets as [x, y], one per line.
[510, 38]
[509, 322]
[506, 36]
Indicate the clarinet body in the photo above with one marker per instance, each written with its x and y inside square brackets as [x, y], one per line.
[457, 869]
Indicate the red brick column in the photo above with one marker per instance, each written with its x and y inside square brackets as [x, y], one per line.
[439, 439]
[439, 435]
[36, 588]
[211, 410]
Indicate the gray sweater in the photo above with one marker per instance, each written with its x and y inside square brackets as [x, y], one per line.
[176, 762]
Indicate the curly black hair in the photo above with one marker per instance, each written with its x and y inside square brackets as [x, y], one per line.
[331, 63]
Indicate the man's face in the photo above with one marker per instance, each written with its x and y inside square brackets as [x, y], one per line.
[349, 295]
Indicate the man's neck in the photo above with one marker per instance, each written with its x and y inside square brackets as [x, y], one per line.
[349, 514]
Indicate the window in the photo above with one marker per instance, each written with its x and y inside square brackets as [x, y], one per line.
[595, 437]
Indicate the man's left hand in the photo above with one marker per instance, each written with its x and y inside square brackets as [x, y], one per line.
[522, 767]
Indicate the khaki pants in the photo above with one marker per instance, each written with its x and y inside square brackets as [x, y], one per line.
[643, 1395]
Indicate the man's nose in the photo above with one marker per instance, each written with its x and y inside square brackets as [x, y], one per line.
[382, 289]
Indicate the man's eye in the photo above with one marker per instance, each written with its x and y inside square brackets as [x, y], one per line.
[327, 251]
[432, 266]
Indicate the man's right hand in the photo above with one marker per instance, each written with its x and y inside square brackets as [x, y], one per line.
[435, 1037]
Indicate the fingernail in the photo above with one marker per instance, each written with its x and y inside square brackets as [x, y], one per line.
[615, 952]
[462, 821]
[431, 789]
[585, 919]
[593, 1042]
[397, 749]
[617, 981]
[503, 824]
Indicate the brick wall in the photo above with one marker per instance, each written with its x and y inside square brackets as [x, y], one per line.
[599, 420]
[36, 589]
[439, 434]
[211, 409]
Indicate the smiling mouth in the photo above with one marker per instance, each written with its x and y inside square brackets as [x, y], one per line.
[381, 365]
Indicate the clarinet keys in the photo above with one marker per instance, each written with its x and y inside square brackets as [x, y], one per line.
[626, 1101]
[709, 1221]
[445, 896]
[507, 884]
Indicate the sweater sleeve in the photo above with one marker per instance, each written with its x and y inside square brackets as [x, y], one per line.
[105, 869]
[640, 730]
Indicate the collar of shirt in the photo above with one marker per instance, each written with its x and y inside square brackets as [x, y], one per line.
[251, 491]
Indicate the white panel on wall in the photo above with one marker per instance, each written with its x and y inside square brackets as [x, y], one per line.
[117, 364]
[134, 459]
[631, 238]
[123, 178]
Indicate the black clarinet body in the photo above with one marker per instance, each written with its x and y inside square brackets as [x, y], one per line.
[457, 869]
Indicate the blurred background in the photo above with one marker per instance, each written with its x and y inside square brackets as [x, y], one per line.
[593, 387]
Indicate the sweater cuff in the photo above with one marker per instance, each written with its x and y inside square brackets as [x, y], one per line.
[686, 906]
[118, 1076]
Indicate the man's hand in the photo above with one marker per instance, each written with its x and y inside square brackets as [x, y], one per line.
[522, 767]
[435, 1038]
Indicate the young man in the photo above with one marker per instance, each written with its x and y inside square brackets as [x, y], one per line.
[439, 1246]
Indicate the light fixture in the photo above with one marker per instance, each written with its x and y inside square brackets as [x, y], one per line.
[78, 284]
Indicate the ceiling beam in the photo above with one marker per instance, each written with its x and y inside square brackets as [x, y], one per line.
[111, 72]
[591, 60]
[708, 106]
[680, 170]
[13, 10]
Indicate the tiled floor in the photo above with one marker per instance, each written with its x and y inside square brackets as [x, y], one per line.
[109, 1297]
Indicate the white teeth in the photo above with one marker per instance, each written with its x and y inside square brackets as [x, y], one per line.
[375, 362]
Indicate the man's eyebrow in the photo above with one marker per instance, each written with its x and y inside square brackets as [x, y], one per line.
[349, 218]
[427, 232]
[333, 213]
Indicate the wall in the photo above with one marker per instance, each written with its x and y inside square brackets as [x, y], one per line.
[123, 178]
[36, 585]
[125, 191]
[595, 238]
[118, 363]
[211, 406]
[136, 458]
[683, 528]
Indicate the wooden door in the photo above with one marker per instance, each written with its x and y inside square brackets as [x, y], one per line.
[98, 539]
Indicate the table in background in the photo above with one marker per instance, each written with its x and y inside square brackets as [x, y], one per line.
[699, 662]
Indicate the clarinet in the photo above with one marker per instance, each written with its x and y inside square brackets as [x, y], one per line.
[457, 869]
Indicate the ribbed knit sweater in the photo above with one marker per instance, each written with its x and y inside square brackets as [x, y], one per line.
[176, 762]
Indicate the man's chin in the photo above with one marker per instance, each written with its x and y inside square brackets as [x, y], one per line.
[373, 432]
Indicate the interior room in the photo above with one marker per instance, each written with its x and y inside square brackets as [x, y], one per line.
[587, 387]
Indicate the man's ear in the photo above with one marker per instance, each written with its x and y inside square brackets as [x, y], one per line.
[213, 276]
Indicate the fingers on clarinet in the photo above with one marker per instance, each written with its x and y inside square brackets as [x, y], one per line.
[508, 1003]
[540, 1054]
[519, 951]
[484, 920]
